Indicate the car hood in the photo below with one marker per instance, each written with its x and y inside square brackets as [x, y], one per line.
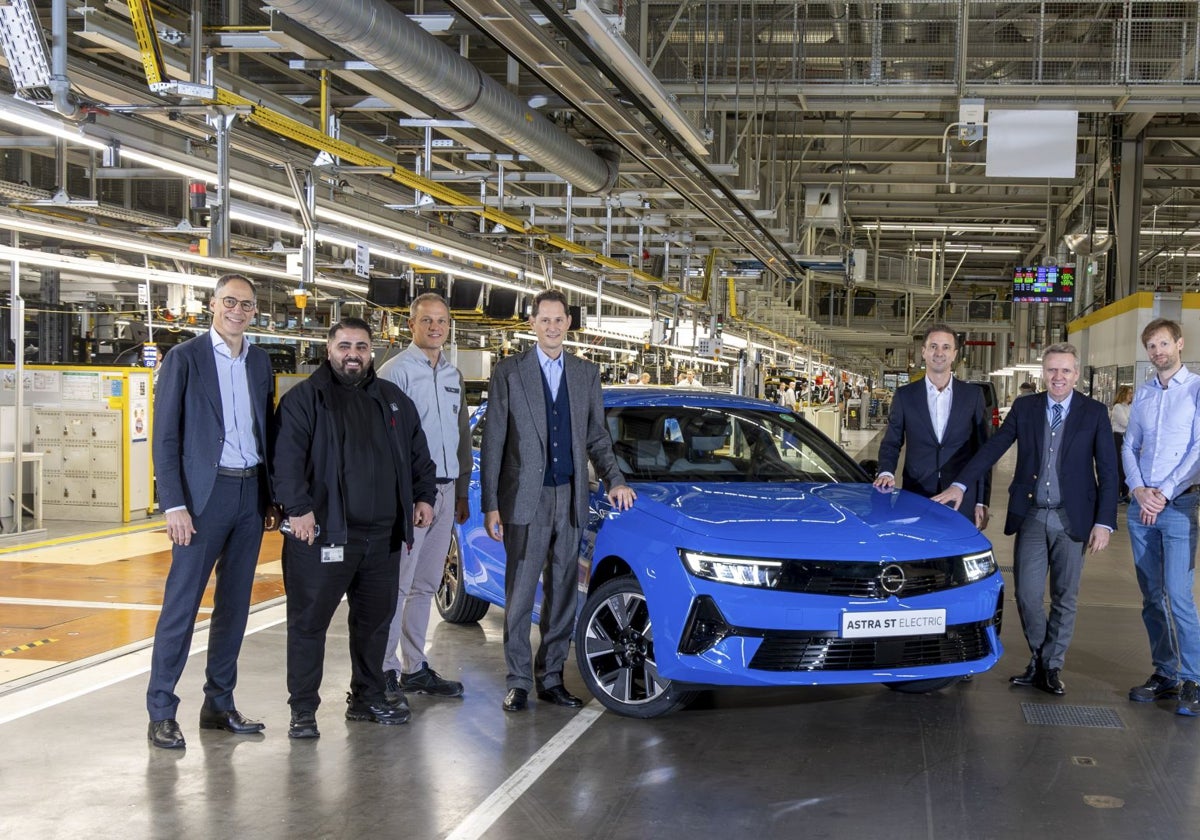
[828, 519]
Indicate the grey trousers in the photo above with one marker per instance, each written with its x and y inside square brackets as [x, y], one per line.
[549, 543]
[421, 569]
[1043, 548]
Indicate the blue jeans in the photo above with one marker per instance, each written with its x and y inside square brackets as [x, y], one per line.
[1164, 556]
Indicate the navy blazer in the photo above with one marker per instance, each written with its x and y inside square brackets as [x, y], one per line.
[931, 465]
[1087, 465]
[189, 426]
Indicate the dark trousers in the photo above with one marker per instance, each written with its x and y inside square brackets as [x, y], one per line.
[368, 578]
[1119, 441]
[1043, 548]
[228, 537]
[549, 543]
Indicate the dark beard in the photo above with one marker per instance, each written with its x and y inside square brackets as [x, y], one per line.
[350, 380]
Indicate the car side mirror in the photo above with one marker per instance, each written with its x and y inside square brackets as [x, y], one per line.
[870, 466]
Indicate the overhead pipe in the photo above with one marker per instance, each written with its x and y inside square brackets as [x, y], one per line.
[376, 32]
[60, 85]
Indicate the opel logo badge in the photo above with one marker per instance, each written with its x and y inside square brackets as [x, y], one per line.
[891, 579]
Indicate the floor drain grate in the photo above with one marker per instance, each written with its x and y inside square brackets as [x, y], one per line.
[1004, 568]
[1042, 714]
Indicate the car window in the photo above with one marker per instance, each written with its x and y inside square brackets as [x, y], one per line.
[676, 443]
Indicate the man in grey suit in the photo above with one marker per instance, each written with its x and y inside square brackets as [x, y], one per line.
[545, 419]
[211, 407]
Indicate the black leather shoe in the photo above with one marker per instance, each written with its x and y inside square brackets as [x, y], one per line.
[384, 713]
[166, 735]
[559, 696]
[230, 720]
[1028, 676]
[1049, 682]
[304, 724]
[516, 700]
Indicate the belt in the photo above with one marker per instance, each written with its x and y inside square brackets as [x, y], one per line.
[445, 481]
[230, 472]
[1048, 507]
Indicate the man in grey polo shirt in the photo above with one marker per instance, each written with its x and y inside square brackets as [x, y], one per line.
[428, 378]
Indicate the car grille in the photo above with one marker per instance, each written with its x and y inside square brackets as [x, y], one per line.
[792, 652]
[861, 580]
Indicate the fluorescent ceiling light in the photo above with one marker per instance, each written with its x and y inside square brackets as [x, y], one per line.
[33, 118]
[635, 73]
[930, 227]
[105, 269]
[140, 246]
[965, 249]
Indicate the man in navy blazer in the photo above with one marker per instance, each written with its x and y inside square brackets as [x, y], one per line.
[211, 406]
[940, 422]
[1063, 499]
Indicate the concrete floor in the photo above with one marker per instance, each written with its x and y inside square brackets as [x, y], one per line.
[980, 760]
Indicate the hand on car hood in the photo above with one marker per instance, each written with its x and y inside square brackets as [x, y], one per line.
[809, 515]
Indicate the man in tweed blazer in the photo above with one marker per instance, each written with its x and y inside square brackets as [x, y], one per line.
[545, 420]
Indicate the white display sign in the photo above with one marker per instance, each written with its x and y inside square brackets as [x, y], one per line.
[362, 260]
[867, 625]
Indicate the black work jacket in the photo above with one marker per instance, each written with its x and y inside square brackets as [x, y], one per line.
[306, 466]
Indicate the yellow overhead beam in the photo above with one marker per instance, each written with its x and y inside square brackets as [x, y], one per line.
[142, 17]
[156, 73]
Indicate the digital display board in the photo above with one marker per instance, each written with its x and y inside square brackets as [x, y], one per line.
[1044, 284]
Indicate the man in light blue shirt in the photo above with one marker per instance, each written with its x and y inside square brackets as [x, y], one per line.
[211, 406]
[1161, 454]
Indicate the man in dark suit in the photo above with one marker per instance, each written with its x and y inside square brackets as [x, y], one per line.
[1063, 499]
[940, 422]
[213, 399]
[545, 419]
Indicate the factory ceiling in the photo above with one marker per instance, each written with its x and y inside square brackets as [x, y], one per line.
[687, 158]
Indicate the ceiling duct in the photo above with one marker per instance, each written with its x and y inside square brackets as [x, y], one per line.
[376, 32]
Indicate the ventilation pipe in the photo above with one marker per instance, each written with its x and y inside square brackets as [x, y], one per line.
[60, 85]
[376, 32]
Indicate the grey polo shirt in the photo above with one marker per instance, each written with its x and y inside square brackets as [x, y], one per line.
[441, 401]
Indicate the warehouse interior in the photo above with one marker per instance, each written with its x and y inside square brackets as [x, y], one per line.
[757, 190]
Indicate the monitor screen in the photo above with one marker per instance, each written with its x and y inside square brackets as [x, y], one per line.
[1044, 284]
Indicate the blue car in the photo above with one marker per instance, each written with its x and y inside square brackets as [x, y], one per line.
[757, 554]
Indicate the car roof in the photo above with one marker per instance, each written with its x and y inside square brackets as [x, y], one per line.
[647, 395]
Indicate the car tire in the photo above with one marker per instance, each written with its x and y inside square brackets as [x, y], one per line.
[922, 686]
[614, 646]
[453, 602]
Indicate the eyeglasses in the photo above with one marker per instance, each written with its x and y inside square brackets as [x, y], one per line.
[246, 305]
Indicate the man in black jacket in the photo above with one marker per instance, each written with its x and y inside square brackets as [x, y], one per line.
[352, 472]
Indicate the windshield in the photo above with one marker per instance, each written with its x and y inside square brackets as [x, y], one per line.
[673, 443]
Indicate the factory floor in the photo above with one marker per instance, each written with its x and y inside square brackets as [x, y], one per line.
[982, 759]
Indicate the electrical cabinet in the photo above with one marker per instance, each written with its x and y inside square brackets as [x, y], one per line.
[82, 470]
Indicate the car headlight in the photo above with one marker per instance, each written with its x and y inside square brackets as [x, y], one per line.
[742, 571]
[978, 566]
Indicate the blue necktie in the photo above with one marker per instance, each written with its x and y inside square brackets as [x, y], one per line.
[1056, 418]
